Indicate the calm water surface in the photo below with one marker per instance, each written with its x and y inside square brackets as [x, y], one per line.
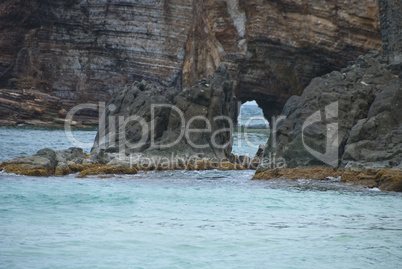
[183, 219]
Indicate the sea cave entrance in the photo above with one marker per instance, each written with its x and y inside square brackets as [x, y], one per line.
[251, 131]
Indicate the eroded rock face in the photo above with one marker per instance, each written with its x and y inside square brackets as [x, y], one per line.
[86, 51]
[348, 119]
[146, 122]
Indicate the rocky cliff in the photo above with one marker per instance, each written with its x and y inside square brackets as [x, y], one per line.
[85, 51]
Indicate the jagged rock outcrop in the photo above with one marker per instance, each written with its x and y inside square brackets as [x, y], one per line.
[348, 120]
[194, 123]
[86, 51]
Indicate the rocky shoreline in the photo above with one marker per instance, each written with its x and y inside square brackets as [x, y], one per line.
[47, 162]
[362, 101]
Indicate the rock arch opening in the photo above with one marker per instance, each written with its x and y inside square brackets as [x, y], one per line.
[251, 131]
[251, 116]
[270, 104]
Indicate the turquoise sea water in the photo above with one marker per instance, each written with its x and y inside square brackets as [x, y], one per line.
[186, 219]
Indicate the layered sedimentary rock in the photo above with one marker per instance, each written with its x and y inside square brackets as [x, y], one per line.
[290, 42]
[348, 120]
[86, 51]
[143, 122]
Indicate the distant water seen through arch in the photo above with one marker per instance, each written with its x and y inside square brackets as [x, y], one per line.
[251, 116]
[252, 130]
